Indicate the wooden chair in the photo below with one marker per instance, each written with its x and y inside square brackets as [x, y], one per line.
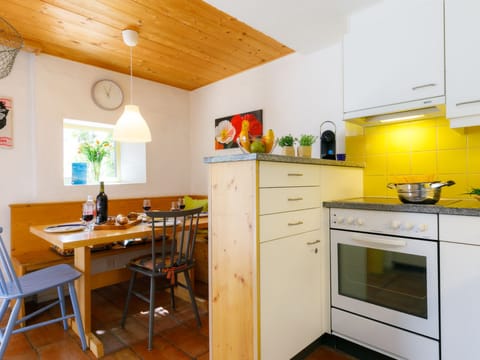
[171, 254]
[13, 288]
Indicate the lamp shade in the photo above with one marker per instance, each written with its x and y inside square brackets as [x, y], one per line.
[131, 127]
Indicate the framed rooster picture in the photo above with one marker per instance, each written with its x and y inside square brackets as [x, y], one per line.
[228, 129]
[6, 126]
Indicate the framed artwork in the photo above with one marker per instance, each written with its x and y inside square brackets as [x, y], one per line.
[6, 126]
[227, 129]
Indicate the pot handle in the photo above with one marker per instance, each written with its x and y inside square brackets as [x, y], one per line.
[440, 184]
[391, 186]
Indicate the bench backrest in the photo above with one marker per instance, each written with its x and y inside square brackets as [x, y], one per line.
[22, 216]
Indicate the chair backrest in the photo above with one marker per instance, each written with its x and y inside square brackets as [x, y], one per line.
[9, 284]
[178, 233]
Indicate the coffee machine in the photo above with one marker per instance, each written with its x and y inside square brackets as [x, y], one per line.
[327, 141]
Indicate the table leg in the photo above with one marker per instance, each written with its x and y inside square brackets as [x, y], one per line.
[83, 287]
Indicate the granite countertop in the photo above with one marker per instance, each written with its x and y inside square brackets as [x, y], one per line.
[278, 158]
[468, 207]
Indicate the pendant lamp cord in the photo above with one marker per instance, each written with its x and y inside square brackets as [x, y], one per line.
[131, 75]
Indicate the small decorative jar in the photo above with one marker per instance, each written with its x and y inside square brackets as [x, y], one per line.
[304, 151]
[288, 150]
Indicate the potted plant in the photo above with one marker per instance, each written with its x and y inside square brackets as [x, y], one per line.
[286, 143]
[305, 145]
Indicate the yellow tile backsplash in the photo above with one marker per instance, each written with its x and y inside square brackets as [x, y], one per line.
[451, 138]
[424, 162]
[452, 161]
[427, 149]
[398, 139]
[398, 163]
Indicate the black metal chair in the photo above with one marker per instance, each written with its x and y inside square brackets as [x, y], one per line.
[172, 253]
[16, 289]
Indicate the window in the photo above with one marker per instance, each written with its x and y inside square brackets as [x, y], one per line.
[121, 163]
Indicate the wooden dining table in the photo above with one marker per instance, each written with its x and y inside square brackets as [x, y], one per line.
[81, 242]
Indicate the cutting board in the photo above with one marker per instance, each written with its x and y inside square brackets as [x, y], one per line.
[117, 226]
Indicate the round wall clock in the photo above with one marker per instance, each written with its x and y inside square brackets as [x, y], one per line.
[107, 94]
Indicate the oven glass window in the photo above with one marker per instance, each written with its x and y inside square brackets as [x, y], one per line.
[390, 279]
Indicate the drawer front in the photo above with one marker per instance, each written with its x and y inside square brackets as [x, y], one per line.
[273, 174]
[275, 226]
[276, 200]
[459, 229]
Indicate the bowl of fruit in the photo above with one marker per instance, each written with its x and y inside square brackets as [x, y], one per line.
[259, 144]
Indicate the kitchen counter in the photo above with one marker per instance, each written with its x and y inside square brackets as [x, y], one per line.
[467, 207]
[279, 158]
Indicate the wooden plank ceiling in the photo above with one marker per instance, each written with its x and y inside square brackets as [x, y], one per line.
[183, 43]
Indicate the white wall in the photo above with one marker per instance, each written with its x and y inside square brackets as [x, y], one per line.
[45, 90]
[297, 93]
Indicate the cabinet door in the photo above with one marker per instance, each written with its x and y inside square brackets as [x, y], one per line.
[394, 53]
[460, 300]
[290, 294]
[462, 57]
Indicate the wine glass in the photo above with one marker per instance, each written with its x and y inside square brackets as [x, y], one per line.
[181, 203]
[88, 213]
[147, 205]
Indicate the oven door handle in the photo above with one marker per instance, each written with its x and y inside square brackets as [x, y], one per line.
[389, 242]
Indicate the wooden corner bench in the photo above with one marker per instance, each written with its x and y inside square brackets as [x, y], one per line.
[30, 253]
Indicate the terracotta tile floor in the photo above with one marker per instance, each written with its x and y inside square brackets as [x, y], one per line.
[176, 335]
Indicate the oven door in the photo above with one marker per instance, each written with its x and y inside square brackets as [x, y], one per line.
[387, 279]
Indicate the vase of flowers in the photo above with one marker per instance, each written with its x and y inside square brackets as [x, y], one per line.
[95, 151]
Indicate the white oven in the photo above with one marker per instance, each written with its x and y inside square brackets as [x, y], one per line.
[384, 279]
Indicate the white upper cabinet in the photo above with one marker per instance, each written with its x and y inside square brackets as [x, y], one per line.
[462, 49]
[394, 57]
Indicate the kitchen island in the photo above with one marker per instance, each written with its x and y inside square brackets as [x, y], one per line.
[268, 251]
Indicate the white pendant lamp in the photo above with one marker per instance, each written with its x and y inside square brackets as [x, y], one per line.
[131, 126]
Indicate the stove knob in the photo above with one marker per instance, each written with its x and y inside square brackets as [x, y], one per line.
[340, 220]
[350, 220]
[408, 226]
[395, 224]
[422, 227]
[360, 221]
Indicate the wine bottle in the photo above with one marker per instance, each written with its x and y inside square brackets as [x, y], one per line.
[102, 205]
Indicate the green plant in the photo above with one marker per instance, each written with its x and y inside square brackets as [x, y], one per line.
[475, 191]
[307, 140]
[286, 140]
[95, 150]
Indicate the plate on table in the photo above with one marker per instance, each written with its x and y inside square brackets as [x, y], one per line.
[61, 228]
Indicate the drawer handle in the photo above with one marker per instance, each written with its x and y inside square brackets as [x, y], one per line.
[313, 242]
[467, 102]
[295, 174]
[423, 86]
[298, 198]
[295, 223]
